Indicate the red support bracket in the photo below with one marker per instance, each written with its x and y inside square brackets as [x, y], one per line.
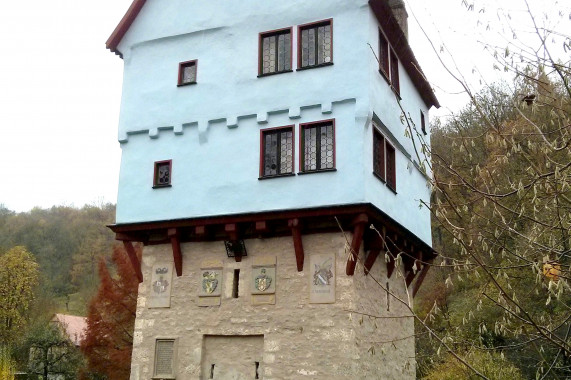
[176, 252]
[415, 267]
[294, 224]
[390, 266]
[371, 258]
[359, 222]
[377, 246]
[420, 279]
[134, 259]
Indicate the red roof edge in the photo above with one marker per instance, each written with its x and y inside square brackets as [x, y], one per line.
[124, 25]
[399, 42]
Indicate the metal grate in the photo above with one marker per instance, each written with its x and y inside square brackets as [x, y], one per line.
[164, 355]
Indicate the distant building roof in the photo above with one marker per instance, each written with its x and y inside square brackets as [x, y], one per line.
[73, 326]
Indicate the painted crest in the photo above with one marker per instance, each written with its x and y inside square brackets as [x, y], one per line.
[263, 281]
[323, 273]
[161, 285]
[209, 282]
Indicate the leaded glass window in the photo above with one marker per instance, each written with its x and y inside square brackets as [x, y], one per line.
[275, 52]
[162, 176]
[378, 154]
[164, 357]
[316, 44]
[187, 73]
[318, 142]
[277, 152]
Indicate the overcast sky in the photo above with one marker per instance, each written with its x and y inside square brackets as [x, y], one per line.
[60, 88]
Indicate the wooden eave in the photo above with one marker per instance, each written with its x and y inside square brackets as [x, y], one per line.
[399, 43]
[354, 218]
[124, 25]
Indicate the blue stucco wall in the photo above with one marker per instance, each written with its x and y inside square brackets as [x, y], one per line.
[211, 130]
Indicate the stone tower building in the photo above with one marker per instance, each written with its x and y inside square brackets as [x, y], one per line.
[268, 172]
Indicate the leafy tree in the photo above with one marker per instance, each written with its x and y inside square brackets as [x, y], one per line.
[111, 318]
[7, 365]
[492, 365]
[66, 242]
[18, 278]
[51, 352]
[502, 217]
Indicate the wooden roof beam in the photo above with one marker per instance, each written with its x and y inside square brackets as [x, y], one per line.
[358, 230]
[295, 226]
[176, 252]
[377, 246]
[420, 278]
[134, 259]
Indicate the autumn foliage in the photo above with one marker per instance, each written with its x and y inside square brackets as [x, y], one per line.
[111, 318]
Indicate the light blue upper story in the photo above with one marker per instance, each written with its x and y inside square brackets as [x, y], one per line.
[212, 130]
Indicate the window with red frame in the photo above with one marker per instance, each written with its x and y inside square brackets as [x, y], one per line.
[315, 45]
[388, 63]
[391, 167]
[277, 146]
[162, 174]
[275, 52]
[187, 72]
[384, 160]
[383, 55]
[318, 146]
[395, 72]
[378, 154]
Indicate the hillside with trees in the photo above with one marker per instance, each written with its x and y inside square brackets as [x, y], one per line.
[50, 260]
[66, 243]
[497, 304]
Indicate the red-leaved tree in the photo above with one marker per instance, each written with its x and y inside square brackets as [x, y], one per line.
[110, 322]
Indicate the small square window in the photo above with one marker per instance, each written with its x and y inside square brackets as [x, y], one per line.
[162, 175]
[164, 358]
[277, 151]
[315, 45]
[187, 72]
[318, 146]
[275, 52]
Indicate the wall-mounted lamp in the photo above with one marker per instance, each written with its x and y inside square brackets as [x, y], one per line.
[235, 248]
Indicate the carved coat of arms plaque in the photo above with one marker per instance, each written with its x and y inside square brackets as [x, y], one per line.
[263, 280]
[161, 284]
[322, 279]
[210, 282]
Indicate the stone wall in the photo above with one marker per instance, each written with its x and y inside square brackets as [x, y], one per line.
[295, 339]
